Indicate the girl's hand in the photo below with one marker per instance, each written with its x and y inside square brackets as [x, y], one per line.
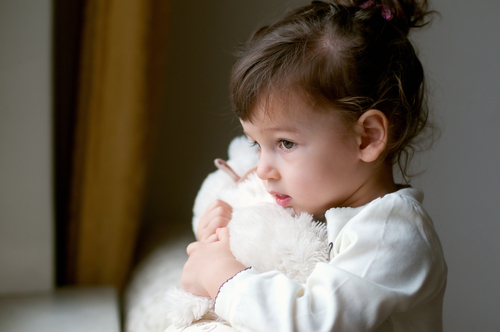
[210, 264]
[218, 214]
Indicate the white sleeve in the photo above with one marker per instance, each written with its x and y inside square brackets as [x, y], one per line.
[386, 265]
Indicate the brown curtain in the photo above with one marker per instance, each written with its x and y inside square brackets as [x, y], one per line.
[122, 57]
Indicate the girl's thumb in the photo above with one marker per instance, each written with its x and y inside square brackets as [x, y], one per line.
[222, 233]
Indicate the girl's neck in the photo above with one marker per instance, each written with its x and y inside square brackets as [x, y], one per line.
[379, 183]
[384, 182]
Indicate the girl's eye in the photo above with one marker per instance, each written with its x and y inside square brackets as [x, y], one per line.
[254, 143]
[287, 145]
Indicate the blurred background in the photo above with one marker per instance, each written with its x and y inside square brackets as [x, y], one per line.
[111, 113]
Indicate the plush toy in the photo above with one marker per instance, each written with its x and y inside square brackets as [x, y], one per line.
[263, 234]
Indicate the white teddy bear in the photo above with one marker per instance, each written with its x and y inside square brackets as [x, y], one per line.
[263, 234]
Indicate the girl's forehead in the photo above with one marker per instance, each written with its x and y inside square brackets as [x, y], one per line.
[272, 111]
[278, 104]
[292, 116]
[291, 113]
[276, 121]
[289, 103]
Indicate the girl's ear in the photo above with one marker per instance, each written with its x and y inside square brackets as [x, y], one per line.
[372, 130]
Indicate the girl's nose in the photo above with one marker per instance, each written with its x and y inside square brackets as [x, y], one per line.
[266, 169]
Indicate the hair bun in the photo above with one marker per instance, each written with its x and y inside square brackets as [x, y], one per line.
[407, 14]
[404, 14]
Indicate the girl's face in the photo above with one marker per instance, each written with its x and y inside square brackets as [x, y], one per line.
[309, 161]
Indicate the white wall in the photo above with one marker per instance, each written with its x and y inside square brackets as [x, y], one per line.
[26, 216]
[461, 53]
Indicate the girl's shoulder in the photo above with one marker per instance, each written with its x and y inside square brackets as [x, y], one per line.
[395, 224]
[403, 204]
[400, 214]
[406, 193]
[405, 199]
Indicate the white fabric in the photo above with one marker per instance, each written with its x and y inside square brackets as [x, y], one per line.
[204, 325]
[387, 273]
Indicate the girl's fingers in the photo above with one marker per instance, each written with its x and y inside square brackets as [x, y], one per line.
[222, 234]
[212, 238]
[195, 245]
[218, 211]
[217, 207]
[192, 247]
[212, 226]
[218, 214]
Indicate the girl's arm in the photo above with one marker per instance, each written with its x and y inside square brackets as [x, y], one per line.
[210, 264]
[210, 261]
[388, 263]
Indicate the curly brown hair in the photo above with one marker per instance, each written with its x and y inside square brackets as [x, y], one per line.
[343, 55]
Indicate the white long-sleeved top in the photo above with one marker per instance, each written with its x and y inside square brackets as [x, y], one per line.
[386, 273]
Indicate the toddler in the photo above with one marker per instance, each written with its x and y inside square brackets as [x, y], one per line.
[333, 96]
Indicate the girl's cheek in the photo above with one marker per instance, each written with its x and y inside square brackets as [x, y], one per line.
[303, 181]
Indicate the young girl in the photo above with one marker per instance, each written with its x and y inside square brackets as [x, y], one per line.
[333, 95]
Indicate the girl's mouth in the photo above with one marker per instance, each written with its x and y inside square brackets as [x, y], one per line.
[281, 200]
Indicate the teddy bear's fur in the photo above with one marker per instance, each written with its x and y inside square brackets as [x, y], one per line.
[263, 234]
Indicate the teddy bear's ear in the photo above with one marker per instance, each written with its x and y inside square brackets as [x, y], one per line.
[223, 166]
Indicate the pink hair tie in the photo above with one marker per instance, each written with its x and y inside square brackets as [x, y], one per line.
[386, 12]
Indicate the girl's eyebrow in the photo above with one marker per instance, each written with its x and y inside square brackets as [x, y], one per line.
[283, 129]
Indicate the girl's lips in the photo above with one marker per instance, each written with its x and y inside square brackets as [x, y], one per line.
[281, 200]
